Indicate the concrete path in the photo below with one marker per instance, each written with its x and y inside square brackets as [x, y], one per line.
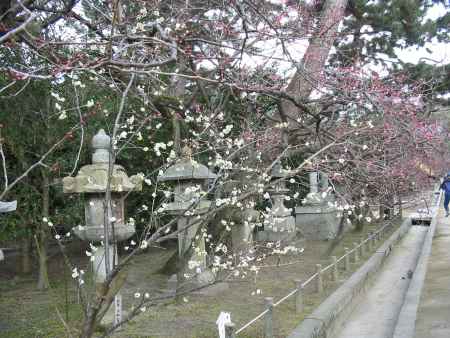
[376, 316]
[433, 315]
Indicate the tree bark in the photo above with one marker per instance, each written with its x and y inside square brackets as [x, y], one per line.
[42, 233]
[177, 89]
[310, 70]
[26, 255]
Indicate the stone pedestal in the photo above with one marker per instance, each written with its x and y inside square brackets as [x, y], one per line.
[318, 218]
[317, 222]
[281, 224]
[242, 232]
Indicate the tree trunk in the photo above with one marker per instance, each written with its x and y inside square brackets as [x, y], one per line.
[26, 255]
[42, 233]
[307, 76]
[177, 89]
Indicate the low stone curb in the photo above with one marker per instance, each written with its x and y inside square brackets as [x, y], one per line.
[406, 322]
[331, 314]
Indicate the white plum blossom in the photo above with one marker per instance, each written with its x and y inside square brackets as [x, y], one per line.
[75, 273]
[144, 244]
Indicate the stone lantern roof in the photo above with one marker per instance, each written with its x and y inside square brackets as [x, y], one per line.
[186, 169]
[278, 171]
[93, 178]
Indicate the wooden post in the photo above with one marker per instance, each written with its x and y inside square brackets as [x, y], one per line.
[335, 268]
[319, 278]
[347, 260]
[299, 297]
[356, 254]
[229, 330]
[268, 323]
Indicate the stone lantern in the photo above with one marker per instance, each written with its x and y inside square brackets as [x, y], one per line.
[190, 178]
[318, 218]
[282, 225]
[92, 181]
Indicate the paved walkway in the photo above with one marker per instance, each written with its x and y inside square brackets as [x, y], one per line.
[376, 316]
[433, 316]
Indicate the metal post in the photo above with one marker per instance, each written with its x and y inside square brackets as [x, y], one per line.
[363, 247]
[299, 298]
[319, 278]
[335, 268]
[356, 252]
[370, 242]
[347, 260]
[268, 324]
[229, 330]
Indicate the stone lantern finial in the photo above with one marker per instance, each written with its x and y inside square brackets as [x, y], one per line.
[186, 153]
[101, 143]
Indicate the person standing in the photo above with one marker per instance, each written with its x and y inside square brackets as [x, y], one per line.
[446, 187]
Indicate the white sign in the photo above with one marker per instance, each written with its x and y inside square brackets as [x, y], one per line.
[224, 318]
[117, 309]
[8, 206]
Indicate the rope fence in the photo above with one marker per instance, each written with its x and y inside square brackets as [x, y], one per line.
[357, 252]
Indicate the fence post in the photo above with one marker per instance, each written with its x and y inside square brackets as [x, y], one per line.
[299, 297]
[268, 324]
[347, 260]
[319, 278]
[356, 252]
[363, 247]
[370, 241]
[335, 268]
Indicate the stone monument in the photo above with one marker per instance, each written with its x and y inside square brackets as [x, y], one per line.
[317, 218]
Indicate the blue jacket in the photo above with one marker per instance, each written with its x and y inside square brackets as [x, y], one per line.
[446, 186]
